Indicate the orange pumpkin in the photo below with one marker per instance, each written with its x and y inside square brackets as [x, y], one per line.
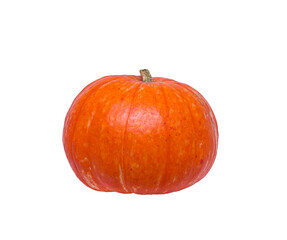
[138, 134]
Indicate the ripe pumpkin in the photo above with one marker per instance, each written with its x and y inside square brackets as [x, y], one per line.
[138, 134]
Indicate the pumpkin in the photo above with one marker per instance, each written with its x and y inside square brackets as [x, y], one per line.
[138, 134]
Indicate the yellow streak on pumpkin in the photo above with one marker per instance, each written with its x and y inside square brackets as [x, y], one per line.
[121, 179]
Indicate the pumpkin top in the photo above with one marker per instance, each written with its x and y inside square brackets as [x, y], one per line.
[145, 74]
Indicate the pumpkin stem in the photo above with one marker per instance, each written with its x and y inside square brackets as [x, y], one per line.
[145, 74]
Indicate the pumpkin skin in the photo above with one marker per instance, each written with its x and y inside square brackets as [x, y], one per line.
[128, 136]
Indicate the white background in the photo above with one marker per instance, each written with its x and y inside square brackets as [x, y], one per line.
[233, 52]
